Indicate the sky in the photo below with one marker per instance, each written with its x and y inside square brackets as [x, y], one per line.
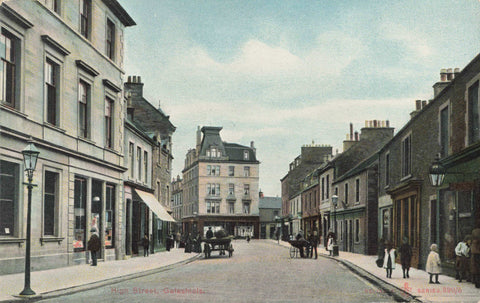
[290, 73]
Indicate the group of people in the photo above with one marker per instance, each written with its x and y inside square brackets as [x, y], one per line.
[467, 263]
[311, 244]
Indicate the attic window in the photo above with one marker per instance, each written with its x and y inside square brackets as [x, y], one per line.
[213, 152]
[245, 155]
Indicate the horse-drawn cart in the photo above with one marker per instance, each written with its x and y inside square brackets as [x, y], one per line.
[218, 244]
[299, 246]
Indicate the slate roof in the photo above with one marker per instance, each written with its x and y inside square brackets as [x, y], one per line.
[270, 202]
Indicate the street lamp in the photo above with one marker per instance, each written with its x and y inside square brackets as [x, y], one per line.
[30, 156]
[335, 246]
[437, 172]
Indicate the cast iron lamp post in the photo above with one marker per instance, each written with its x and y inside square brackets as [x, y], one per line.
[437, 173]
[30, 156]
[335, 246]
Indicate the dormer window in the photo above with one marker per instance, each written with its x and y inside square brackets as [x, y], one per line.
[245, 155]
[214, 152]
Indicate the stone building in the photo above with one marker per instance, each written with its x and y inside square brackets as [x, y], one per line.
[220, 186]
[177, 202]
[269, 211]
[311, 217]
[61, 85]
[148, 202]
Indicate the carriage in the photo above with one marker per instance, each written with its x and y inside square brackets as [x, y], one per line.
[218, 244]
[297, 245]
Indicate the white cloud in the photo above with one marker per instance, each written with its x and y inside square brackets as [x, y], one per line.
[414, 42]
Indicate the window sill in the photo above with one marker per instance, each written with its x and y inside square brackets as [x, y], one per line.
[406, 177]
[386, 187]
[12, 110]
[51, 239]
[19, 241]
[86, 140]
[54, 127]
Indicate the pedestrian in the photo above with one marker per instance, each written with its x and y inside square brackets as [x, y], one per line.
[462, 253]
[146, 245]
[475, 257]
[313, 239]
[405, 257]
[248, 238]
[168, 242]
[330, 243]
[389, 258]
[434, 264]
[94, 245]
[301, 239]
[178, 237]
[188, 243]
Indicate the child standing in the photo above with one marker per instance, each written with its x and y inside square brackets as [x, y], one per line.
[389, 258]
[433, 264]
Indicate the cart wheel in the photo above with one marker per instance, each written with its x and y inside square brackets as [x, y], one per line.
[293, 252]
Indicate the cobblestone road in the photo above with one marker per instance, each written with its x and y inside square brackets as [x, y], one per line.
[259, 271]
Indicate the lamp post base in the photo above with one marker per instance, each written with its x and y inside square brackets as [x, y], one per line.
[27, 292]
[335, 250]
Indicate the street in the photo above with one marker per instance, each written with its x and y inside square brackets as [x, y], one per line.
[260, 271]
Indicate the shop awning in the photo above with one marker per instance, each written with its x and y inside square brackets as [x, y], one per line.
[154, 205]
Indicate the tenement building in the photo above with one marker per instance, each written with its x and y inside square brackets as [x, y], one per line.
[61, 85]
[220, 186]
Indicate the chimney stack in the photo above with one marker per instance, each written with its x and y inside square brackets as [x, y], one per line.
[351, 131]
[199, 139]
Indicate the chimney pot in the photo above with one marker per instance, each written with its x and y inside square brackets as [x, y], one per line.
[443, 74]
[388, 123]
[139, 79]
[418, 104]
[374, 123]
[351, 131]
[356, 136]
[129, 79]
[449, 74]
[424, 103]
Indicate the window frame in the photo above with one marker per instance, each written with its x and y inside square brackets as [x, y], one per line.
[444, 131]
[56, 199]
[110, 41]
[110, 210]
[357, 190]
[131, 159]
[84, 123]
[406, 152]
[473, 112]
[85, 18]
[246, 171]
[109, 122]
[231, 171]
[14, 227]
[12, 63]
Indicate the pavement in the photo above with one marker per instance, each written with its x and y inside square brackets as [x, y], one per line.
[67, 280]
[416, 288]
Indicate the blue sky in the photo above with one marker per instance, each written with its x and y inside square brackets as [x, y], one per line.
[286, 73]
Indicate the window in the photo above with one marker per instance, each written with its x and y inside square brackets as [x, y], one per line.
[53, 5]
[145, 166]
[85, 13]
[406, 156]
[108, 123]
[80, 201]
[231, 208]
[245, 155]
[357, 190]
[213, 189]
[246, 171]
[213, 207]
[9, 180]
[246, 189]
[139, 163]
[346, 193]
[213, 170]
[231, 171]
[231, 189]
[50, 199]
[327, 191]
[275, 213]
[8, 68]
[213, 152]
[444, 125]
[51, 89]
[473, 115]
[110, 216]
[110, 39]
[357, 230]
[323, 188]
[131, 161]
[387, 169]
[246, 207]
[83, 104]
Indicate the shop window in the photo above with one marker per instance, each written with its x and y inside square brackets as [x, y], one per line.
[80, 201]
[50, 202]
[9, 180]
[110, 216]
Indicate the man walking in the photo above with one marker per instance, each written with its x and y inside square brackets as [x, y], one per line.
[94, 245]
[313, 239]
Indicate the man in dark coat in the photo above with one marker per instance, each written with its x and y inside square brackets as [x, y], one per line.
[209, 233]
[146, 245]
[313, 239]
[405, 257]
[94, 245]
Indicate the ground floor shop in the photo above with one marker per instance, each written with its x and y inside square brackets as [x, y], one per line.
[237, 226]
[73, 195]
[352, 230]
